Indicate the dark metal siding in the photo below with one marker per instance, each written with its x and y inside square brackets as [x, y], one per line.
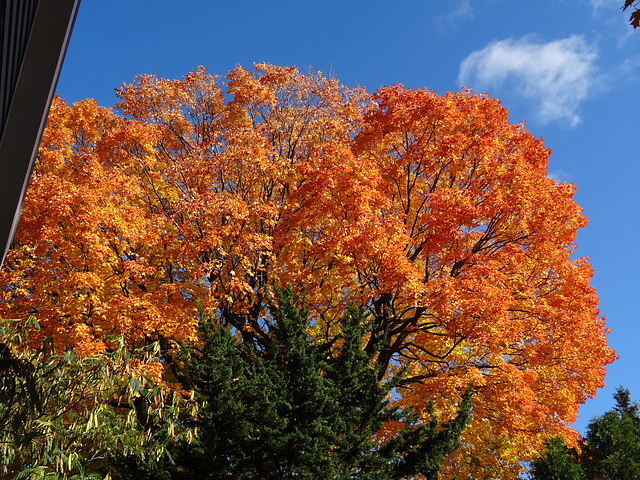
[16, 19]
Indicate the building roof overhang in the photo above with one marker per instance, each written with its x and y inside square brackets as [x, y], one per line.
[34, 39]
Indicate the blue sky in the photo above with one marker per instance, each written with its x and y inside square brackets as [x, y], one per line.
[570, 68]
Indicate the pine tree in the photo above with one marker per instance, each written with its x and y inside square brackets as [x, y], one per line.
[610, 450]
[304, 407]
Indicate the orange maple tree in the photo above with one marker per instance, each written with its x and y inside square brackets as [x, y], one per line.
[431, 211]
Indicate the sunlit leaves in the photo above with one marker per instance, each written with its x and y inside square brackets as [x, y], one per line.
[431, 211]
[66, 417]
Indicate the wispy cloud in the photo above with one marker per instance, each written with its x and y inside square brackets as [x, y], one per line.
[610, 13]
[556, 76]
[463, 10]
[610, 8]
[598, 4]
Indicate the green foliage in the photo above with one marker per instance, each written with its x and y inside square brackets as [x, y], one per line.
[610, 450]
[69, 418]
[301, 407]
[290, 405]
[558, 463]
[20, 394]
[613, 442]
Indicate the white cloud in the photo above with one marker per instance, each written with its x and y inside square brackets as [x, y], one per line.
[464, 10]
[556, 76]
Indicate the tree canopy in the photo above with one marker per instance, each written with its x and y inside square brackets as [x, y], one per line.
[431, 212]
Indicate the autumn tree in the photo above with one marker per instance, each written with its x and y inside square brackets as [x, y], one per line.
[431, 212]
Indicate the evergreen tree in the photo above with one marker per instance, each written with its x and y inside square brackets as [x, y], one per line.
[303, 407]
[610, 450]
[558, 462]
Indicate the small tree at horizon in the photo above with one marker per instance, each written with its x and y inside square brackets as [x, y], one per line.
[610, 449]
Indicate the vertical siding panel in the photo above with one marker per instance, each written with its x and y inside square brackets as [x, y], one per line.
[16, 18]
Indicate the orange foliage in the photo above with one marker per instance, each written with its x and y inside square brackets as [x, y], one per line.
[432, 211]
